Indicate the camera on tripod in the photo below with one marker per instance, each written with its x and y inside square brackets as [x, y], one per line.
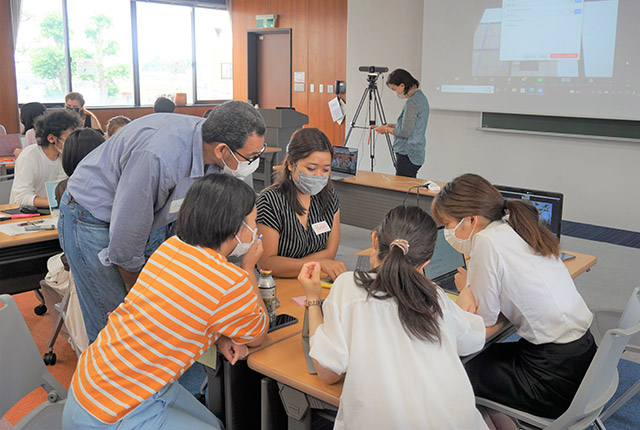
[373, 69]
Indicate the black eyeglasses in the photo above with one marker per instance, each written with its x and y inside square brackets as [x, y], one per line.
[255, 157]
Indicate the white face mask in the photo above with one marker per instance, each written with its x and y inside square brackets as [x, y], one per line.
[463, 246]
[244, 168]
[400, 94]
[242, 248]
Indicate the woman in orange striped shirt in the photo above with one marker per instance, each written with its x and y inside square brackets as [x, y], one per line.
[186, 298]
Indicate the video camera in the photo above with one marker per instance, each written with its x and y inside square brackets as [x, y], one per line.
[373, 69]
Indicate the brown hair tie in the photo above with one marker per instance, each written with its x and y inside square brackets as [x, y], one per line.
[402, 244]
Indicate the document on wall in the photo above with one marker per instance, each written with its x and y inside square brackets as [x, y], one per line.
[336, 107]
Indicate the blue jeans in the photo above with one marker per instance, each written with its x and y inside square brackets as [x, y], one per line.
[100, 288]
[170, 408]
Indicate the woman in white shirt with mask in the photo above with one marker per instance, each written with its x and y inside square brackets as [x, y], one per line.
[394, 335]
[515, 273]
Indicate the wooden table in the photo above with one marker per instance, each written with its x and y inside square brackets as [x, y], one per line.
[367, 197]
[300, 391]
[235, 391]
[23, 258]
[7, 164]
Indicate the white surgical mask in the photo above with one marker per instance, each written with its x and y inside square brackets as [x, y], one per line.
[310, 184]
[463, 246]
[244, 168]
[400, 94]
[242, 247]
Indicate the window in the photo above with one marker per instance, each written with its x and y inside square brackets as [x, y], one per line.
[39, 55]
[101, 41]
[213, 54]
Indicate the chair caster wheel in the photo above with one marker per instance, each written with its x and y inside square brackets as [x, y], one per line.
[50, 358]
[40, 309]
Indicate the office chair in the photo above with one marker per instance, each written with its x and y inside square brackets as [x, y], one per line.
[604, 320]
[22, 371]
[597, 387]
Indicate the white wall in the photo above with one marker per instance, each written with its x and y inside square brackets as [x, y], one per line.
[380, 33]
[600, 179]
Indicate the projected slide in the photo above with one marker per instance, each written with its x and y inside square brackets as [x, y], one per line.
[548, 57]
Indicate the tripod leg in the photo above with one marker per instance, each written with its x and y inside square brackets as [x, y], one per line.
[355, 115]
[378, 105]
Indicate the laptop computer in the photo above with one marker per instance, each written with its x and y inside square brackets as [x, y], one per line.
[344, 163]
[8, 144]
[444, 264]
[54, 208]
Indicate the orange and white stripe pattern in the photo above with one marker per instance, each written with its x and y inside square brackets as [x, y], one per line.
[184, 299]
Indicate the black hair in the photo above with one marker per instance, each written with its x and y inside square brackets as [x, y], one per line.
[303, 143]
[213, 210]
[401, 76]
[55, 122]
[29, 112]
[77, 146]
[233, 122]
[397, 276]
[164, 104]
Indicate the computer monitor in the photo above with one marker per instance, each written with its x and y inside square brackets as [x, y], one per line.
[548, 203]
[344, 163]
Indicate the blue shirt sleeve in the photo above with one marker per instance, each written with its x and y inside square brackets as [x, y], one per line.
[145, 181]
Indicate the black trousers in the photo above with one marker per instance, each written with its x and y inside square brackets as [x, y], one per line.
[404, 167]
[539, 379]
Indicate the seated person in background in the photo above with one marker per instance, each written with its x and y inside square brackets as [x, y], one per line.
[115, 124]
[514, 272]
[75, 102]
[78, 144]
[164, 104]
[299, 216]
[28, 114]
[41, 163]
[187, 298]
[394, 335]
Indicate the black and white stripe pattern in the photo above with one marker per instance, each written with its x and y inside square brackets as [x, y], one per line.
[295, 241]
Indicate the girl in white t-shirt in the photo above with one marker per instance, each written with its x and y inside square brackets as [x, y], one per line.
[515, 274]
[394, 335]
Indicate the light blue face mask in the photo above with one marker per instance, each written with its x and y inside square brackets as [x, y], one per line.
[310, 184]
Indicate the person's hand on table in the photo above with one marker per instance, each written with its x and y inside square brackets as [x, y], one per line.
[333, 268]
[309, 279]
[252, 256]
[461, 279]
[466, 300]
[231, 351]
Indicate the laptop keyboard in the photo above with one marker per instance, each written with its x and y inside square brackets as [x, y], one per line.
[448, 284]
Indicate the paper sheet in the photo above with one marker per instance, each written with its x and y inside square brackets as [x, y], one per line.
[12, 229]
[337, 110]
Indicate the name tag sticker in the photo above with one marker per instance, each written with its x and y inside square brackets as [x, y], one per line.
[175, 206]
[321, 227]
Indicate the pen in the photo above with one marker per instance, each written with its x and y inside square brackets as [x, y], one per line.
[22, 224]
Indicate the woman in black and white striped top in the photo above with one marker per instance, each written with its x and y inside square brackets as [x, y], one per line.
[299, 216]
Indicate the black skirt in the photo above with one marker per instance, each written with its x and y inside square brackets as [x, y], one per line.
[538, 379]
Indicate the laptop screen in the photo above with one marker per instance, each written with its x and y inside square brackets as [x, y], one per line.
[51, 197]
[549, 204]
[9, 143]
[445, 259]
[345, 160]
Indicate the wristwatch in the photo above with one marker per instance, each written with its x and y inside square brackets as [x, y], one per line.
[308, 303]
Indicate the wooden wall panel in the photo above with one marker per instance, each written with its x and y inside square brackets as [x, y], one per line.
[319, 45]
[9, 116]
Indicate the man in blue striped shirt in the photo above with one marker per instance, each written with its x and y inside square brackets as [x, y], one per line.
[124, 194]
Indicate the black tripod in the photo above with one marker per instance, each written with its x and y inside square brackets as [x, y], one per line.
[374, 109]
